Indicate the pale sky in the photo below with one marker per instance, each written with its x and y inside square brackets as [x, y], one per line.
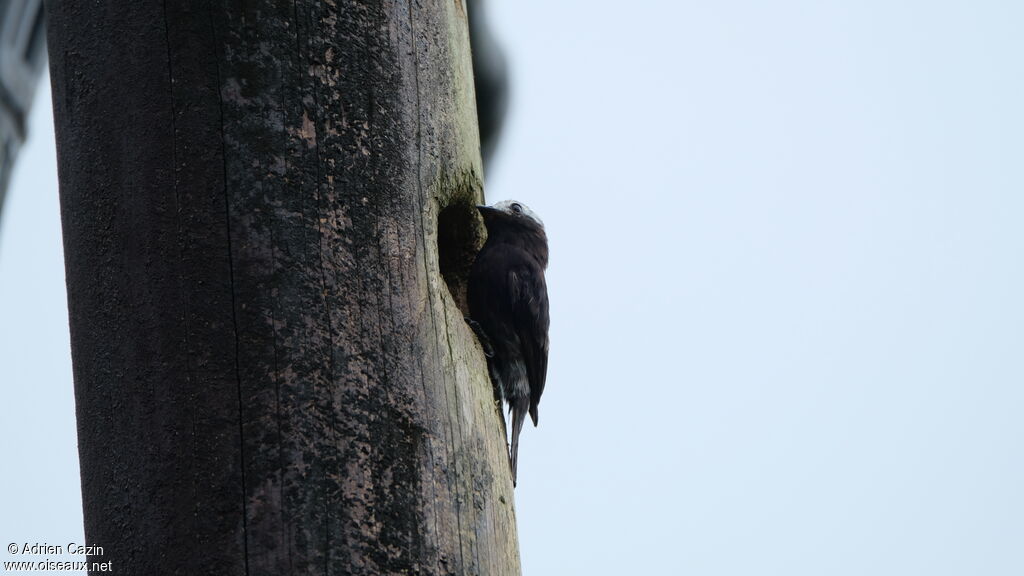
[786, 279]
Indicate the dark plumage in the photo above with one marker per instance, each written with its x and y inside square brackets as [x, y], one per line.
[508, 299]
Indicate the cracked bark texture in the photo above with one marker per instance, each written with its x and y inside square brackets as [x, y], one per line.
[272, 376]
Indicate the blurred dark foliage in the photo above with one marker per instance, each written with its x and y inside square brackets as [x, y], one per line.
[490, 73]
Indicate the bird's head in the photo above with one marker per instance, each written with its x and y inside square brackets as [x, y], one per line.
[511, 222]
[511, 214]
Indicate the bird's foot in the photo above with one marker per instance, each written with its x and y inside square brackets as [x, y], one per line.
[485, 342]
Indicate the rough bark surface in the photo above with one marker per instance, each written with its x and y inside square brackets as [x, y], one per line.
[272, 375]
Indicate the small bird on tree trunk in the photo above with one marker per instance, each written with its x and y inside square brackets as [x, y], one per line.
[508, 305]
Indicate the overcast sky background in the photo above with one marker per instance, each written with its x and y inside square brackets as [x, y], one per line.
[787, 286]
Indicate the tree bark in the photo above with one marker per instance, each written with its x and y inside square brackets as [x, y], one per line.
[272, 372]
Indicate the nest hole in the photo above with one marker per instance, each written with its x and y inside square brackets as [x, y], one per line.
[460, 234]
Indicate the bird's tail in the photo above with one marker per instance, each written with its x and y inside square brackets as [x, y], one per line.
[518, 417]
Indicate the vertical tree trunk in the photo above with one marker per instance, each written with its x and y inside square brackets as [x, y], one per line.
[272, 375]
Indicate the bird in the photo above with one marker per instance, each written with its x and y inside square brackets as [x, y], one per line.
[508, 307]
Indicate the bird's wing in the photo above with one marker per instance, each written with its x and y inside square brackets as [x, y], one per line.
[530, 320]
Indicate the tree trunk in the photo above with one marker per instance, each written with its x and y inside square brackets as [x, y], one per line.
[272, 372]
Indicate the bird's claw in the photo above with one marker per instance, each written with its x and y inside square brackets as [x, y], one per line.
[485, 342]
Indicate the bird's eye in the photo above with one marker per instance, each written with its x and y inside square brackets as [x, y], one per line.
[516, 207]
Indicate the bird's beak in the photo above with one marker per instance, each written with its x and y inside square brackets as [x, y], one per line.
[486, 210]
